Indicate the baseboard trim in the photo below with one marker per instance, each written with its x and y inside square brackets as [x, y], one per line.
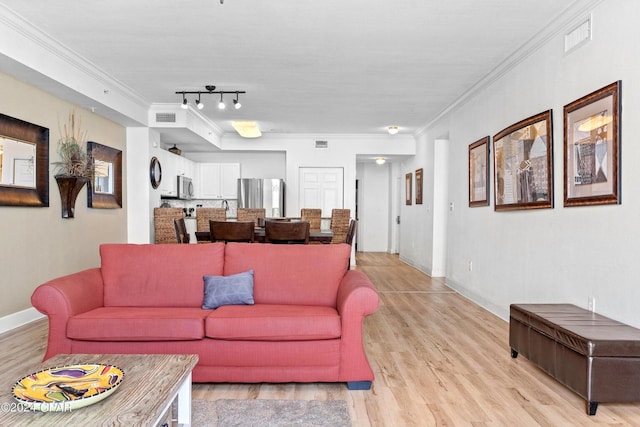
[18, 319]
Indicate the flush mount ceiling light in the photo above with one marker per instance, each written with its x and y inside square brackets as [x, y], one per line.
[247, 129]
[380, 160]
[210, 90]
[392, 130]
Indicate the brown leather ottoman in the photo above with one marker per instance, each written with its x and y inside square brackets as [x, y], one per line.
[596, 357]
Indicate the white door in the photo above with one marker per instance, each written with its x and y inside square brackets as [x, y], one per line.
[321, 188]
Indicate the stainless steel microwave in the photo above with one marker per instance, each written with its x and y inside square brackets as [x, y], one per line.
[185, 188]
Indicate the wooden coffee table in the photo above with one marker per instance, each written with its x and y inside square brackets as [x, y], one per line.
[151, 385]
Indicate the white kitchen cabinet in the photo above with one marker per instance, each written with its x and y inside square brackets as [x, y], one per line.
[217, 180]
[172, 167]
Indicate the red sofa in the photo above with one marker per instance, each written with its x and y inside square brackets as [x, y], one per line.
[306, 324]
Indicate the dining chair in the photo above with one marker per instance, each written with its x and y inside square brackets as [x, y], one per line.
[251, 214]
[203, 216]
[164, 229]
[351, 231]
[181, 230]
[232, 231]
[286, 232]
[340, 224]
[313, 215]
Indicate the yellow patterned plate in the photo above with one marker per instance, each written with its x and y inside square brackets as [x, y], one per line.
[66, 388]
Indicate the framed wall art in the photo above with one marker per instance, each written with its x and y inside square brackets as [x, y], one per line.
[408, 183]
[479, 173]
[523, 159]
[419, 186]
[105, 190]
[592, 148]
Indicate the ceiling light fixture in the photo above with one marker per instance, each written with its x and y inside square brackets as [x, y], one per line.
[392, 130]
[210, 90]
[380, 160]
[247, 129]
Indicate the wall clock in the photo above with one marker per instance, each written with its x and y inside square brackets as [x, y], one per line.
[155, 172]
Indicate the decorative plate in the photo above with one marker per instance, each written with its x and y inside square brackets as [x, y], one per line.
[66, 388]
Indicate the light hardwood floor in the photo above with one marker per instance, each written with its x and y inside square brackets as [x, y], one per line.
[439, 360]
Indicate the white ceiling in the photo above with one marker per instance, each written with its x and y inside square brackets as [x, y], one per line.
[323, 66]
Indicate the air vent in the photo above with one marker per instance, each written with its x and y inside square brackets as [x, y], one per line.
[578, 36]
[165, 117]
[322, 144]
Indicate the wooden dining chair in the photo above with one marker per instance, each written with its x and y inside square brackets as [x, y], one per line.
[251, 214]
[164, 229]
[340, 224]
[203, 216]
[181, 230]
[232, 231]
[351, 231]
[286, 232]
[314, 216]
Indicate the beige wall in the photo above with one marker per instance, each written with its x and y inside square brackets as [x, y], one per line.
[37, 244]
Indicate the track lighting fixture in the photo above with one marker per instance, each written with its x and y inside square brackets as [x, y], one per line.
[210, 90]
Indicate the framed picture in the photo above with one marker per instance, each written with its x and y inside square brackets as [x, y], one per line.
[419, 186]
[592, 148]
[105, 191]
[408, 178]
[479, 173]
[523, 159]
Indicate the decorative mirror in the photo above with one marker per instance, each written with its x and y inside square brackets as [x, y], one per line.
[24, 163]
[155, 172]
[105, 190]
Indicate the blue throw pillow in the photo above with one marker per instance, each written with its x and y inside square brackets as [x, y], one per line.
[228, 290]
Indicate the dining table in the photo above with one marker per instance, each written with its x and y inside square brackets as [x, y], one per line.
[316, 236]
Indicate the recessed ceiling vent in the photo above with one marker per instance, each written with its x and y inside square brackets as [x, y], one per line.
[165, 117]
[578, 36]
[322, 144]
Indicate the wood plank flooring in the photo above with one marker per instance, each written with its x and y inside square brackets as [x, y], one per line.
[439, 360]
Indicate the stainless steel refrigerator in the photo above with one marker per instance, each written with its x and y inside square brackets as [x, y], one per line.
[262, 193]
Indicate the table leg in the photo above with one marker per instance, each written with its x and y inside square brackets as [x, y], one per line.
[184, 403]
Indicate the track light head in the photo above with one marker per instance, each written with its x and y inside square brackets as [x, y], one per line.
[199, 103]
[184, 102]
[221, 103]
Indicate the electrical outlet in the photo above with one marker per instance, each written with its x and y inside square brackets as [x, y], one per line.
[451, 206]
[592, 304]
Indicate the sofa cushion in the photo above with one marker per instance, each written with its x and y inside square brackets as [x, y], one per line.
[290, 274]
[228, 290]
[158, 275]
[138, 324]
[270, 322]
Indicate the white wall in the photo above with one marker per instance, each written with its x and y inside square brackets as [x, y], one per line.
[546, 255]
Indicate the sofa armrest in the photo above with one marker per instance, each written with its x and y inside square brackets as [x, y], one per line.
[357, 298]
[64, 297]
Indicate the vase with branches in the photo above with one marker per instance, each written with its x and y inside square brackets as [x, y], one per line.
[75, 167]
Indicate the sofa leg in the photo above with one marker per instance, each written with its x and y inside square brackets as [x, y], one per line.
[514, 353]
[359, 385]
[592, 408]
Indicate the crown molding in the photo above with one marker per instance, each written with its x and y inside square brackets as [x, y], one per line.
[564, 20]
[38, 39]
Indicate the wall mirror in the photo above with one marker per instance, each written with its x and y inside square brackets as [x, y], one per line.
[24, 163]
[105, 190]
